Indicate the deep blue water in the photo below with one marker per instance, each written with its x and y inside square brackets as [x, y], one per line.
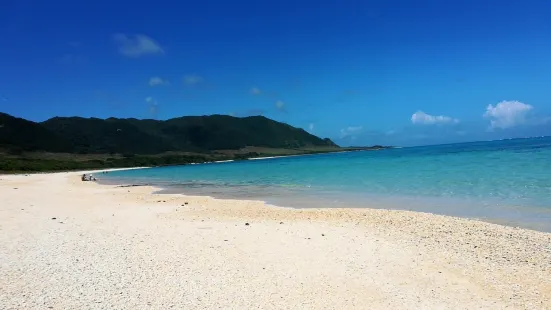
[506, 181]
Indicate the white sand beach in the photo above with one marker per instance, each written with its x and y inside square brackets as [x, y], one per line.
[67, 244]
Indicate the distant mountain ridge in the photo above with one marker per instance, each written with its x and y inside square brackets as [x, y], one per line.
[147, 136]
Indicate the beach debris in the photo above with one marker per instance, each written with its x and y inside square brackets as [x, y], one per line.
[185, 203]
[246, 224]
[15, 188]
[88, 177]
[323, 235]
[280, 223]
[54, 218]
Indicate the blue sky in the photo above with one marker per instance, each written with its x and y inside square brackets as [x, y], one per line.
[360, 72]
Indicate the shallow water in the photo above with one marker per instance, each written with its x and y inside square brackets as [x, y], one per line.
[506, 181]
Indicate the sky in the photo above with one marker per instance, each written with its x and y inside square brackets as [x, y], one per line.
[393, 72]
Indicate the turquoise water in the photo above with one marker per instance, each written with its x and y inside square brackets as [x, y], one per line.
[506, 181]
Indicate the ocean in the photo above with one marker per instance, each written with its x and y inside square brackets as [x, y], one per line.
[506, 181]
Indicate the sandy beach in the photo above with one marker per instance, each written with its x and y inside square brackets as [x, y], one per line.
[67, 244]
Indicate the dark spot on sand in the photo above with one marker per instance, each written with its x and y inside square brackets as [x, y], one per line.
[185, 203]
[225, 240]
[15, 188]
[54, 218]
[280, 222]
[323, 235]
[246, 224]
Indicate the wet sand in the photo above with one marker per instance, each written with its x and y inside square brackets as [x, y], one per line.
[67, 244]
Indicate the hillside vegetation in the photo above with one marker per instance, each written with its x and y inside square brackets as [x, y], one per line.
[133, 136]
[65, 143]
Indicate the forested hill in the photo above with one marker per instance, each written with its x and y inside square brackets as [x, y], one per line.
[134, 136]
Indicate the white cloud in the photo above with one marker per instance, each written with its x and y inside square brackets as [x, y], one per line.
[350, 131]
[156, 81]
[192, 79]
[311, 126]
[507, 114]
[138, 45]
[255, 91]
[153, 106]
[421, 117]
[280, 106]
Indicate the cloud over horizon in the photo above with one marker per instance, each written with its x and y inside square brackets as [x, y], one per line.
[135, 46]
[422, 118]
[350, 131]
[507, 114]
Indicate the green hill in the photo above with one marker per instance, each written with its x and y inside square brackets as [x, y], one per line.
[65, 143]
[133, 136]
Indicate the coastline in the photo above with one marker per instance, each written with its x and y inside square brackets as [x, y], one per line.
[309, 258]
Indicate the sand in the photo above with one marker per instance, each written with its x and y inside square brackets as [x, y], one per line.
[67, 244]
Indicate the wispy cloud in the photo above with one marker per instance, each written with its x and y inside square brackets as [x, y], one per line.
[280, 106]
[351, 131]
[153, 106]
[135, 46]
[507, 114]
[255, 91]
[422, 118]
[157, 81]
[192, 79]
[311, 127]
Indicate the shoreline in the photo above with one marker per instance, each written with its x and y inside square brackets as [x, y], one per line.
[502, 221]
[281, 258]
